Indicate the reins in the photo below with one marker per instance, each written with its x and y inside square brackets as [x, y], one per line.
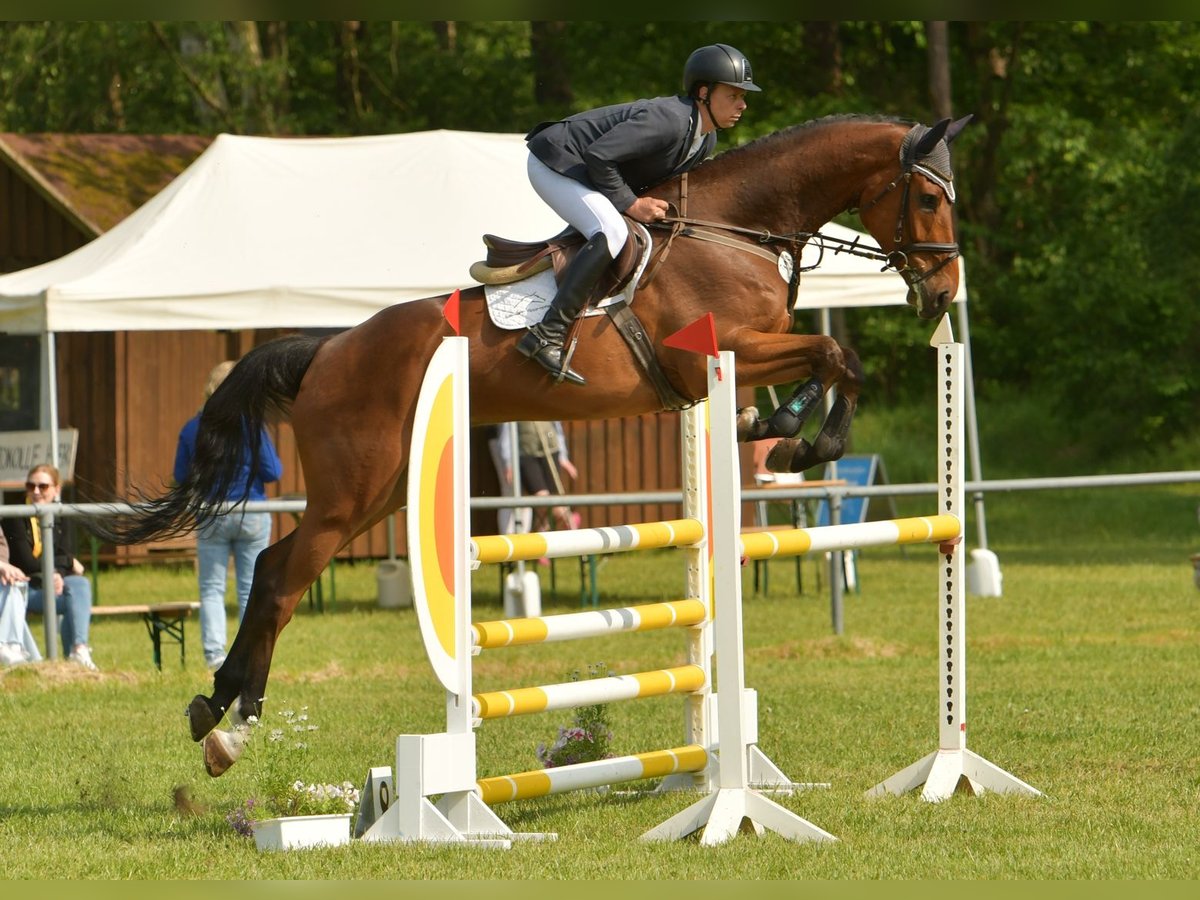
[682, 225]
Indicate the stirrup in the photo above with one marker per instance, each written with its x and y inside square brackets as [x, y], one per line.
[565, 370]
[560, 370]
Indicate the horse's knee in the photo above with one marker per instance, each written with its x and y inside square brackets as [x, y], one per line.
[853, 370]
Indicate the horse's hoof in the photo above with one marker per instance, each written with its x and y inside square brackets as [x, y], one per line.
[200, 717]
[779, 459]
[221, 751]
[749, 426]
[794, 455]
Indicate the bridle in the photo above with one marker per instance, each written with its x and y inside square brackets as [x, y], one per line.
[898, 259]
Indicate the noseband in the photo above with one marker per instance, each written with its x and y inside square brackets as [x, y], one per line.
[898, 259]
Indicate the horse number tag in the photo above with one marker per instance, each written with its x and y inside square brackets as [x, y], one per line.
[785, 263]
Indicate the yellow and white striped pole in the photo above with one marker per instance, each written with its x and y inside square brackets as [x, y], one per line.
[499, 548]
[594, 623]
[540, 782]
[798, 541]
[572, 694]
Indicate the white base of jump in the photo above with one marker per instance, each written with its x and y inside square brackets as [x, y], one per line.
[397, 808]
[427, 823]
[728, 811]
[763, 775]
[944, 772]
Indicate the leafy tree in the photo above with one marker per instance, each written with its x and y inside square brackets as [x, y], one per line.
[1079, 202]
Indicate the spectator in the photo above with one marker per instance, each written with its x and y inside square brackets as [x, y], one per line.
[240, 534]
[543, 453]
[16, 642]
[73, 592]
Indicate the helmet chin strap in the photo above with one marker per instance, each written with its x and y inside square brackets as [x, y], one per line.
[704, 102]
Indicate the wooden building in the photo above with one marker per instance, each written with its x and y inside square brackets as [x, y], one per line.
[128, 393]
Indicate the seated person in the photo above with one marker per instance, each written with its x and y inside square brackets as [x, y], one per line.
[73, 592]
[16, 643]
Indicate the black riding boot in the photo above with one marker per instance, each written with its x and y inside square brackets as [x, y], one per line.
[544, 341]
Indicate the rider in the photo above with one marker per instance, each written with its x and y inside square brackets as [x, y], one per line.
[590, 167]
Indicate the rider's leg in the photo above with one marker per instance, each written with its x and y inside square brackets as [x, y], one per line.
[594, 216]
[544, 341]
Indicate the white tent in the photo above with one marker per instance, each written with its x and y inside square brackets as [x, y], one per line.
[290, 232]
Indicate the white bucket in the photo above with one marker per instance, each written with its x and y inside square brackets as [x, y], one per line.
[393, 579]
[983, 574]
[522, 594]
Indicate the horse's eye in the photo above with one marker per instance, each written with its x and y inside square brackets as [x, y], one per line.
[928, 202]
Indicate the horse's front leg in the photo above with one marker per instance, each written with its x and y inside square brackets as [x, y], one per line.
[787, 420]
[819, 363]
[796, 454]
[239, 686]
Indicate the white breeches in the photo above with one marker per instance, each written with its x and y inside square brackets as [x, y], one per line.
[584, 208]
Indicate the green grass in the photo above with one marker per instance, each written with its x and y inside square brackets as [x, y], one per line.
[1083, 681]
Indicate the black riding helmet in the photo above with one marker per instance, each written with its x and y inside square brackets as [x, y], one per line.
[718, 63]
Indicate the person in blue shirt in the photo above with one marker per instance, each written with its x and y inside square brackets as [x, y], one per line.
[240, 534]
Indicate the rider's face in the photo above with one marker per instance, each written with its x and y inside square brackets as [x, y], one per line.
[725, 105]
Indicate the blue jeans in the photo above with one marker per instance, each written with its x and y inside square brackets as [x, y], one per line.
[74, 607]
[242, 536]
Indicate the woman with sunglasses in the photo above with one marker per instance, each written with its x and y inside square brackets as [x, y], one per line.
[73, 592]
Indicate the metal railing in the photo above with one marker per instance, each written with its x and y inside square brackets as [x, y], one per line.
[48, 512]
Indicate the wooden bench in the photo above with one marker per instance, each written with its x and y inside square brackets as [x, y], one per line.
[160, 619]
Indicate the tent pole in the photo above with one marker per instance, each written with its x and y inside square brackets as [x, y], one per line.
[49, 421]
[972, 422]
[50, 394]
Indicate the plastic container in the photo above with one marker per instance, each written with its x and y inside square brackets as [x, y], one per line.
[393, 579]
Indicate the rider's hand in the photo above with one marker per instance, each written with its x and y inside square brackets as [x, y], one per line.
[647, 209]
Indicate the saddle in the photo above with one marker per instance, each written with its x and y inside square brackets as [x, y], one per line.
[508, 261]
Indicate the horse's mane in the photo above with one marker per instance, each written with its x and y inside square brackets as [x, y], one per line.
[792, 132]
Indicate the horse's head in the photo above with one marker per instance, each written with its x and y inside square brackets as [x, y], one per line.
[915, 224]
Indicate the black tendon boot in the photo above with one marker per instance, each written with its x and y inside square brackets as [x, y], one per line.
[544, 341]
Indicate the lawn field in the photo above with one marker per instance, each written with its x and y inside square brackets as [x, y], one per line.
[1083, 681]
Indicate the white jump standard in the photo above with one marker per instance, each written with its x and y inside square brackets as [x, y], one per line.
[952, 765]
[445, 764]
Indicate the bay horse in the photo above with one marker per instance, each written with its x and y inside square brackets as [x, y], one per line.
[351, 397]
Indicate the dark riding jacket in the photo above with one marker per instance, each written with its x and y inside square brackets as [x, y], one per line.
[19, 535]
[624, 149]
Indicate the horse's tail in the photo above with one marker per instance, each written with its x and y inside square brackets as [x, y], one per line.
[264, 382]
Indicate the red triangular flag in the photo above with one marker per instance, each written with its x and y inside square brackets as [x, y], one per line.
[699, 337]
[450, 311]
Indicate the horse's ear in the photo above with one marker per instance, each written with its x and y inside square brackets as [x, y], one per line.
[955, 127]
[930, 139]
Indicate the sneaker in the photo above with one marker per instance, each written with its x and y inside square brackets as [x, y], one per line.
[214, 664]
[82, 655]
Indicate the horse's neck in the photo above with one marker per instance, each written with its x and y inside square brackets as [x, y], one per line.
[798, 183]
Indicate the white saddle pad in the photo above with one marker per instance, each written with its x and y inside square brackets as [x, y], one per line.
[524, 303]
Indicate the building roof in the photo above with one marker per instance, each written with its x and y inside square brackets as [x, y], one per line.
[99, 179]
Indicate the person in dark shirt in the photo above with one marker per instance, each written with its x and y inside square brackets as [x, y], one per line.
[590, 168]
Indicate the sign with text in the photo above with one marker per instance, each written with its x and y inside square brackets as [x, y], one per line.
[20, 451]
